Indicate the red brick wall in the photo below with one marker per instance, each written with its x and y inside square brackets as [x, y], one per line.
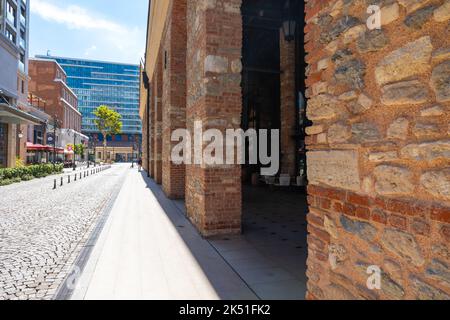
[157, 122]
[174, 95]
[378, 156]
[43, 85]
[214, 43]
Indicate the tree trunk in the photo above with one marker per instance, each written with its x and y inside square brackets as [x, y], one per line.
[105, 145]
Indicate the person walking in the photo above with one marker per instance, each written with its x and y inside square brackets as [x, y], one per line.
[140, 164]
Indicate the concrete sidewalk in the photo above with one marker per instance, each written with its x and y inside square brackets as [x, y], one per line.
[149, 250]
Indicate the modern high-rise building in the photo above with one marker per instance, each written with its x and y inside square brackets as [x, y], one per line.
[14, 117]
[116, 85]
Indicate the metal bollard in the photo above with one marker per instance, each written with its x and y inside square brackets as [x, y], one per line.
[76, 177]
[54, 185]
[62, 181]
[68, 179]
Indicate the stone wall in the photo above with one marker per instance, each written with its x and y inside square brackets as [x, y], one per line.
[378, 160]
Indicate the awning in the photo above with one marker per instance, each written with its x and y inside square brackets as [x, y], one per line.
[13, 115]
[40, 147]
[36, 147]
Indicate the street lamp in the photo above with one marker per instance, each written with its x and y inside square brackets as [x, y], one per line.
[74, 148]
[289, 22]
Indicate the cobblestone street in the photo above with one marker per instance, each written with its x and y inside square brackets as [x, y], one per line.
[42, 231]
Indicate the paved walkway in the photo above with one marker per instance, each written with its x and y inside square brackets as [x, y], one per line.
[149, 250]
[42, 230]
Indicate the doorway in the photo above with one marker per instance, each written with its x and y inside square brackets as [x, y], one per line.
[271, 253]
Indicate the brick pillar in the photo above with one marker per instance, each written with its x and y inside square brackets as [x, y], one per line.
[287, 106]
[144, 141]
[152, 128]
[174, 96]
[214, 45]
[157, 137]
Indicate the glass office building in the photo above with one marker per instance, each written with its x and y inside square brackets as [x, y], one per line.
[104, 83]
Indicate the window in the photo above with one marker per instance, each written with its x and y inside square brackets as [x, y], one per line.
[22, 40]
[11, 35]
[11, 13]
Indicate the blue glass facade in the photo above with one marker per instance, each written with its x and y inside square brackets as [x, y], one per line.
[103, 83]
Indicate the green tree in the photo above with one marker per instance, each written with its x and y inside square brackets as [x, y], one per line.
[108, 122]
[80, 149]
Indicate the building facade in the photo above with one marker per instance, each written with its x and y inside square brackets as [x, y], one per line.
[375, 129]
[14, 119]
[48, 82]
[99, 83]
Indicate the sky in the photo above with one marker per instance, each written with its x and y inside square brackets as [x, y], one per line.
[109, 30]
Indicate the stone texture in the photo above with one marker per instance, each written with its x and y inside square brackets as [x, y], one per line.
[425, 291]
[418, 18]
[441, 55]
[323, 107]
[351, 73]
[365, 132]
[216, 64]
[394, 269]
[405, 93]
[363, 230]
[412, 59]
[438, 270]
[372, 41]
[334, 168]
[337, 254]
[323, 64]
[365, 101]
[348, 96]
[354, 33]
[391, 180]
[412, 5]
[330, 227]
[313, 130]
[426, 130]
[442, 13]
[440, 81]
[437, 183]
[338, 292]
[336, 29]
[339, 133]
[398, 129]
[403, 245]
[432, 112]
[389, 13]
[429, 151]
[383, 156]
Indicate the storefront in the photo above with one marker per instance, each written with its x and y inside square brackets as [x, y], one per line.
[10, 120]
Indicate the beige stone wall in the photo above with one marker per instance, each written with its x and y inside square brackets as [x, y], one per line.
[378, 162]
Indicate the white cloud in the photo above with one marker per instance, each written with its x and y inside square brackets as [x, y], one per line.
[126, 42]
